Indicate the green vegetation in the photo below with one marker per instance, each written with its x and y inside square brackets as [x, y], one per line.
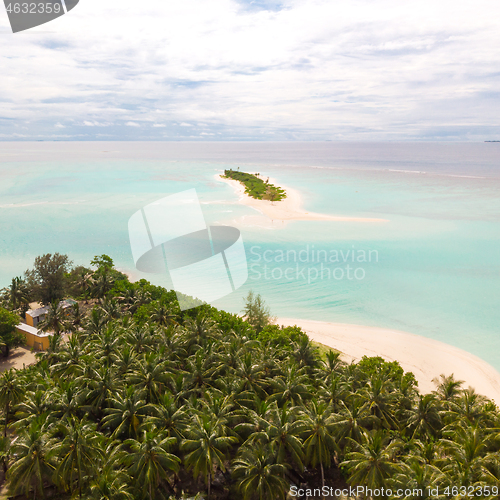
[144, 401]
[256, 312]
[9, 337]
[255, 186]
[16, 296]
[46, 279]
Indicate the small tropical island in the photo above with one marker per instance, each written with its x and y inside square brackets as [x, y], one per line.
[133, 398]
[260, 195]
[255, 186]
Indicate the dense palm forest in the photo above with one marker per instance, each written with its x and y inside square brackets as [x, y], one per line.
[143, 401]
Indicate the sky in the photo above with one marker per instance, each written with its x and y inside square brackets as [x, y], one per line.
[239, 70]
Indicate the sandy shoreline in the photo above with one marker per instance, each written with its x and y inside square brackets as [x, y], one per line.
[288, 209]
[426, 358]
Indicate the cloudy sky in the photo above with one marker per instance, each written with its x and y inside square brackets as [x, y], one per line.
[255, 70]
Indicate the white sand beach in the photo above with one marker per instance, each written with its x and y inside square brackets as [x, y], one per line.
[426, 358]
[288, 209]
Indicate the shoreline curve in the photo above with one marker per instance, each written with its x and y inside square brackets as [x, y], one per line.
[425, 358]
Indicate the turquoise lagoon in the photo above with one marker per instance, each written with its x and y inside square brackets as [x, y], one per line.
[432, 269]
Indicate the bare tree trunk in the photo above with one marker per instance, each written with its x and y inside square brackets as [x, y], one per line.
[322, 479]
[6, 419]
[79, 481]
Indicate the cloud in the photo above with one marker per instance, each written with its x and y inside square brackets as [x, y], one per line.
[278, 70]
[87, 123]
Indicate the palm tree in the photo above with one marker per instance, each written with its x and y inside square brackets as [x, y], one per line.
[252, 375]
[84, 282]
[380, 401]
[467, 405]
[126, 413]
[201, 329]
[11, 392]
[424, 420]
[133, 298]
[5, 453]
[95, 322]
[140, 338]
[75, 444]
[110, 484]
[101, 385]
[107, 345]
[128, 298]
[33, 464]
[34, 405]
[18, 293]
[203, 367]
[150, 462]
[111, 308]
[53, 354]
[492, 468]
[67, 399]
[466, 447]
[163, 315]
[234, 347]
[205, 448]
[332, 364]
[305, 354]
[126, 360]
[150, 376]
[179, 385]
[172, 339]
[447, 387]
[318, 429]
[280, 429]
[373, 462]
[333, 391]
[258, 476]
[418, 478]
[222, 409]
[291, 387]
[168, 417]
[353, 420]
[74, 321]
[70, 359]
[55, 319]
[102, 283]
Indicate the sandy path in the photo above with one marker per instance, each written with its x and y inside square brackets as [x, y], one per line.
[426, 358]
[19, 358]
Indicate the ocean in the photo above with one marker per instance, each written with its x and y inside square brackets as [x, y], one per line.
[432, 269]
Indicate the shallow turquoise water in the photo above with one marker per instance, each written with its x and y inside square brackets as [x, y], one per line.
[434, 266]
